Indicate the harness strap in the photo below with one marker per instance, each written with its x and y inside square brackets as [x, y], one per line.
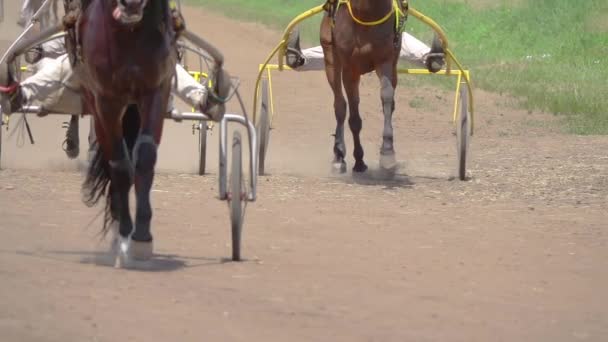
[395, 9]
[9, 89]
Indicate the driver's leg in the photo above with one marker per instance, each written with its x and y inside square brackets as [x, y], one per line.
[413, 50]
[188, 89]
[54, 87]
[420, 54]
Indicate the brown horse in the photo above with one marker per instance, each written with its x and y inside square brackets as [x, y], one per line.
[128, 56]
[352, 49]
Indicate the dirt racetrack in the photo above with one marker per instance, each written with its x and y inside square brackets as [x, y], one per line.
[518, 253]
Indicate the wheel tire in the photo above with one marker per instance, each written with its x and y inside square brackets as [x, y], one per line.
[202, 148]
[236, 200]
[264, 128]
[463, 133]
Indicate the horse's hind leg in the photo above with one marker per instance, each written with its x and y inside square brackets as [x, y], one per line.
[388, 81]
[351, 86]
[339, 164]
[333, 70]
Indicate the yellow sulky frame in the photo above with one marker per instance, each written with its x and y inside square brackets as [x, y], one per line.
[266, 68]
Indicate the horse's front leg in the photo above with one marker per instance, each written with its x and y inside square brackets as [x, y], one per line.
[388, 81]
[109, 126]
[333, 71]
[152, 109]
[351, 79]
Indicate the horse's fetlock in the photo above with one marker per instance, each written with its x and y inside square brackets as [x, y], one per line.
[340, 150]
[143, 215]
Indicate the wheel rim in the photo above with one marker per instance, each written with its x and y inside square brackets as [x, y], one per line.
[264, 128]
[463, 131]
[202, 139]
[236, 209]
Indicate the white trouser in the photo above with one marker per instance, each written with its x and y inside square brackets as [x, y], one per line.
[56, 87]
[412, 50]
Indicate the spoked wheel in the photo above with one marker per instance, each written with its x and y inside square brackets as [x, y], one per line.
[263, 127]
[463, 132]
[237, 196]
[202, 147]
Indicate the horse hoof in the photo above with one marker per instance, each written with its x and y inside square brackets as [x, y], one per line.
[338, 167]
[141, 251]
[360, 167]
[388, 162]
[120, 249]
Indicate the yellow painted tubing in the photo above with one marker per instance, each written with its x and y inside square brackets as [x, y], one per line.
[280, 48]
[292, 24]
[468, 81]
[458, 73]
[451, 56]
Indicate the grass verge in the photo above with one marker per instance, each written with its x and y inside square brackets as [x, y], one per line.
[552, 53]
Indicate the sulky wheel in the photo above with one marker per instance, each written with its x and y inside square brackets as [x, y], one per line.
[202, 147]
[263, 127]
[236, 197]
[463, 132]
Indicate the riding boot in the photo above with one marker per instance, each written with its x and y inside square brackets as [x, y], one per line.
[34, 55]
[293, 55]
[435, 59]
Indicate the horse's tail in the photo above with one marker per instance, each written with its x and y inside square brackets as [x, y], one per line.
[98, 183]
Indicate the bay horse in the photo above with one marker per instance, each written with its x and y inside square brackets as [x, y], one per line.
[127, 61]
[360, 37]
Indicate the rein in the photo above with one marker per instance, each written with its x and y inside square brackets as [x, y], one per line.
[395, 9]
[11, 88]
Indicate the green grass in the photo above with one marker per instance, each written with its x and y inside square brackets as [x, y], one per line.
[551, 53]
